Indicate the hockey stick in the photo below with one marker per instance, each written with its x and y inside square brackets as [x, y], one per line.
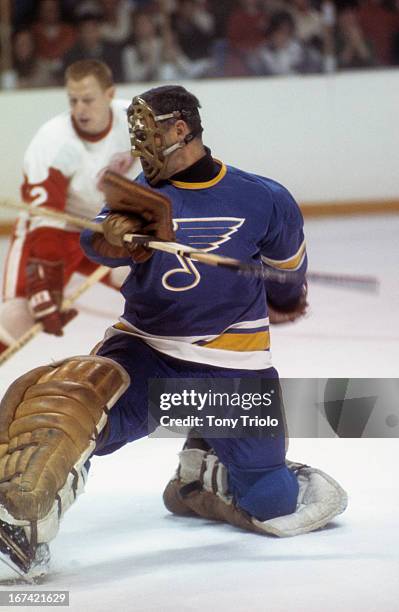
[91, 280]
[364, 283]
[369, 284]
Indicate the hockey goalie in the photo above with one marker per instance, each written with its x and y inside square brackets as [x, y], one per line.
[181, 320]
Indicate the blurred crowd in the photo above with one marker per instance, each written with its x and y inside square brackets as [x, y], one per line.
[163, 40]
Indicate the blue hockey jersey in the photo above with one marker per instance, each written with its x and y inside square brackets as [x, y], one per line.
[199, 313]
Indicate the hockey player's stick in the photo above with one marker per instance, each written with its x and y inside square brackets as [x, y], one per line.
[364, 283]
[368, 284]
[91, 280]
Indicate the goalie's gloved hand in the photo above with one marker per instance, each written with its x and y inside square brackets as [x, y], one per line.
[44, 287]
[134, 208]
[117, 225]
[290, 312]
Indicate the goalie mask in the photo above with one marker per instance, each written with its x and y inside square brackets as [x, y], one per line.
[147, 136]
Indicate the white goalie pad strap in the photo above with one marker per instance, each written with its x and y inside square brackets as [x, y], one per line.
[215, 476]
[320, 499]
[190, 462]
[47, 528]
[196, 464]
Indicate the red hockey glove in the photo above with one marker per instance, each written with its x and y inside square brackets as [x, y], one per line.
[44, 285]
[291, 312]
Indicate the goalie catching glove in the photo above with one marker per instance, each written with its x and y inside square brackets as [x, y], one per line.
[134, 209]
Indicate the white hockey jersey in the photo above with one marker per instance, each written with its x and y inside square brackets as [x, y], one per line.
[61, 166]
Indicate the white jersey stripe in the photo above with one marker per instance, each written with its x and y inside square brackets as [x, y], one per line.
[248, 360]
[258, 323]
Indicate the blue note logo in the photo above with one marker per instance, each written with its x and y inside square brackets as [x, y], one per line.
[205, 234]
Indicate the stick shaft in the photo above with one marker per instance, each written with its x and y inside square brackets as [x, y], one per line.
[350, 281]
[33, 331]
[167, 247]
[363, 283]
[42, 211]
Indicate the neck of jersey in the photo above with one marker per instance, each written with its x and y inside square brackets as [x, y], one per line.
[203, 170]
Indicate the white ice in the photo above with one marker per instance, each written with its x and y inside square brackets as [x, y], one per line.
[119, 549]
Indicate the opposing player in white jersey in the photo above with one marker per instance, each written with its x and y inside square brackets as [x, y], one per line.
[60, 168]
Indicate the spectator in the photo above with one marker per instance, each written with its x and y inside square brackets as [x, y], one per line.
[116, 24]
[379, 25]
[352, 48]
[193, 26]
[90, 45]
[283, 53]
[245, 35]
[153, 56]
[142, 56]
[221, 12]
[28, 69]
[174, 63]
[53, 37]
[246, 27]
[22, 13]
[329, 17]
[308, 22]
[395, 45]
[161, 10]
[315, 28]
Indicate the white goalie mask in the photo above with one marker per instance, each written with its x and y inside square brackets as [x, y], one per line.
[147, 137]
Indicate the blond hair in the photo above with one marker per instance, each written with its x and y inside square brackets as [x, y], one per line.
[90, 67]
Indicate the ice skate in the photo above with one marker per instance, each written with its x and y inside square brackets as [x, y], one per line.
[29, 561]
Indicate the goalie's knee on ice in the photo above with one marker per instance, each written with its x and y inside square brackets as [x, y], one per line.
[264, 494]
[289, 500]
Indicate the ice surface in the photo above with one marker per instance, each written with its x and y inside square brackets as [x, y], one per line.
[118, 548]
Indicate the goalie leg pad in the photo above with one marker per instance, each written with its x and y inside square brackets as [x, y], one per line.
[50, 419]
[200, 486]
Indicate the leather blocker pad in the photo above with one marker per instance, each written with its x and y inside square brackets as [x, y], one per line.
[124, 195]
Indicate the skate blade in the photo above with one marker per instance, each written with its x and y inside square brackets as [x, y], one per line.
[20, 575]
[36, 574]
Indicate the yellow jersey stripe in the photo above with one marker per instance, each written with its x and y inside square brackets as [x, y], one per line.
[258, 341]
[205, 184]
[292, 263]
